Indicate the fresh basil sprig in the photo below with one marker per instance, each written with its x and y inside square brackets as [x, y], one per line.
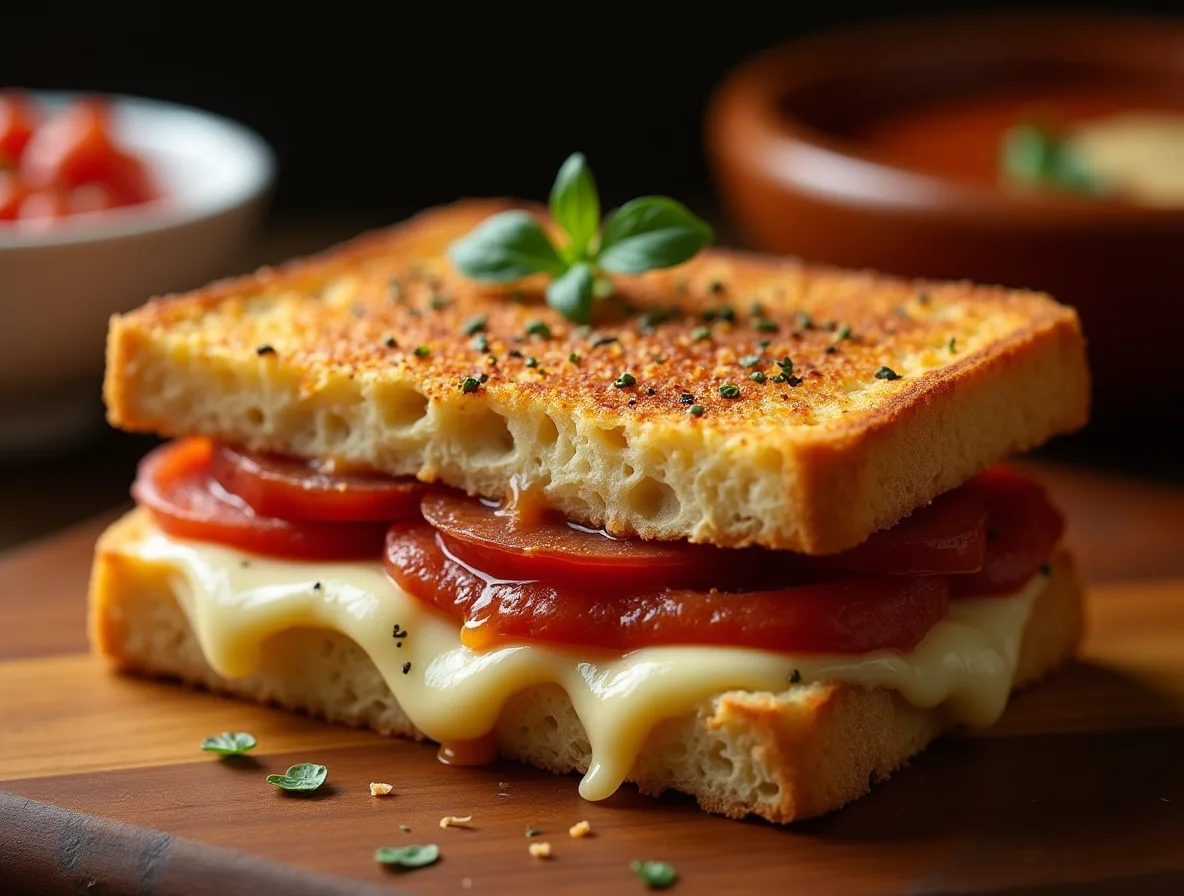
[229, 743]
[1038, 156]
[407, 856]
[303, 777]
[642, 235]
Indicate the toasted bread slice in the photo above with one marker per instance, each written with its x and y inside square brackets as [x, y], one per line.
[360, 355]
[783, 756]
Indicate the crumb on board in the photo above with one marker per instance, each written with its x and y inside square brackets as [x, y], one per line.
[580, 829]
[379, 789]
[540, 849]
[455, 821]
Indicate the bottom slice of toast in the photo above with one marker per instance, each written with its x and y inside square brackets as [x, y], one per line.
[783, 756]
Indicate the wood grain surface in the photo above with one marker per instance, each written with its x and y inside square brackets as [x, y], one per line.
[1080, 788]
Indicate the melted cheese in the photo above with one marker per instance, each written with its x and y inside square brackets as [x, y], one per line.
[236, 601]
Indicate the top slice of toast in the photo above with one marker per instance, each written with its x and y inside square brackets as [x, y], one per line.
[360, 354]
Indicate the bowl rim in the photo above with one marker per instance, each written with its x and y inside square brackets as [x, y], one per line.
[150, 217]
[795, 155]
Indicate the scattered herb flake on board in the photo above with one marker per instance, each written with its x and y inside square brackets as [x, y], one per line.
[533, 832]
[405, 828]
[300, 778]
[229, 743]
[415, 856]
[655, 875]
[887, 373]
[538, 328]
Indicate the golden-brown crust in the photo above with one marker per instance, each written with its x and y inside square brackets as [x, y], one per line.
[820, 749]
[858, 452]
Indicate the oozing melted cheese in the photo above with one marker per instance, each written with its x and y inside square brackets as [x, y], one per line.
[235, 601]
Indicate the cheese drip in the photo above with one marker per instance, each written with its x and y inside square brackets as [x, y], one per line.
[236, 601]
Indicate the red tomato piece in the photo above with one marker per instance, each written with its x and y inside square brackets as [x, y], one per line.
[175, 484]
[47, 204]
[551, 549]
[12, 196]
[847, 615]
[1023, 528]
[75, 147]
[303, 490]
[18, 121]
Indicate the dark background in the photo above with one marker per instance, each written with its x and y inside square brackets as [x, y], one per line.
[376, 110]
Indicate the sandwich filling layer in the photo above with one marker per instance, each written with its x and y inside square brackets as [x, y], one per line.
[236, 600]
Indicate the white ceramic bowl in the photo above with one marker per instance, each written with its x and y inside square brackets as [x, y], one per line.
[59, 284]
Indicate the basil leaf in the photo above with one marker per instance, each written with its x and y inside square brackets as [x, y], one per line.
[575, 205]
[571, 294]
[651, 232]
[407, 856]
[301, 778]
[504, 247]
[655, 875]
[1034, 155]
[229, 743]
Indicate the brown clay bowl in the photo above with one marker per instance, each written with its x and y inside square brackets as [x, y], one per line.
[795, 176]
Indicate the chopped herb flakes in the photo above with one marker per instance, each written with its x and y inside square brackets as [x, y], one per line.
[390, 342]
[574, 358]
[804, 320]
[406, 667]
[264, 350]
[844, 332]
[728, 390]
[952, 345]
[469, 385]
[475, 324]
[756, 309]
[655, 875]
[533, 832]
[532, 362]
[538, 328]
[439, 302]
[480, 342]
[795, 677]
[700, 333]
[407, 856]
[750, 360]
[686, 398]
[696, 410]
[757, 377]
[422, 351]
[764, 325]
[887, 373]
[603, 340]
[724, 312]
[625, 380]
[715, 287]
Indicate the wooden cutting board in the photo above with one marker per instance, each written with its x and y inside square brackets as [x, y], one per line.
[1080, 787]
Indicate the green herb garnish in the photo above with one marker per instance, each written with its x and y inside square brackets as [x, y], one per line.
[655, 875]
[532, 362]
[304, 777]
[844, 332]
[480, 342]
[696, 410]
[1032, 155]
[795, 677]
[757, 377]
[728, 390]
[625, 380]
[642, 235]
[533, 832]
[407, 856]
[229, 743]
[471, 384]
[887, 373]
[475, 325]
[422, 351]
[750, 360]
[574, 358]
[700, 333]
[952, 345]
[764, 325]
[538, 328]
